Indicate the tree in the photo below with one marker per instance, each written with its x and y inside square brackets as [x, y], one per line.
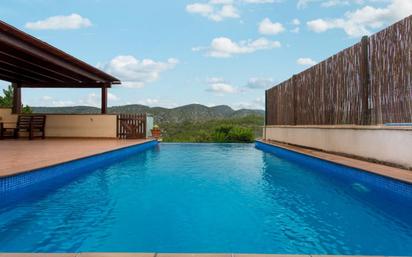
[7, 100]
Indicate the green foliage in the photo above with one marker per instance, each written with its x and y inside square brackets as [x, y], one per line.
[235, 130]
[27, 110]
[7, 100]
[232, 134]
[239, 134]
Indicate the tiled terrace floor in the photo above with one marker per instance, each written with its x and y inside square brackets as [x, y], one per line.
[18, 156]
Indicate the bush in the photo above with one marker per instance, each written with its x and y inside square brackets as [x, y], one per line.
[217, 130]
[232, 134]
[240, 135]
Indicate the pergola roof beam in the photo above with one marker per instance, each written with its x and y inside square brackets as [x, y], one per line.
[64, 85]
[16, 74]
[21, 47]
[6, 66]
[40, 67]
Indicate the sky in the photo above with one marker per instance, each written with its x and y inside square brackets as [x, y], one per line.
[211, 52]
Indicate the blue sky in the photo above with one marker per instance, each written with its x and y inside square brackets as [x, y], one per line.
[171, 53]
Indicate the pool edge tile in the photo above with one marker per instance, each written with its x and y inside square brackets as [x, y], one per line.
[116, 255]
[194, 255]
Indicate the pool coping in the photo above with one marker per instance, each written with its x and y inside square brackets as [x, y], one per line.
[98, 153]
[399, 174]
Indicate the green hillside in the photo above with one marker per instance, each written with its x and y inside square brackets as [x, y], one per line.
[188, 123]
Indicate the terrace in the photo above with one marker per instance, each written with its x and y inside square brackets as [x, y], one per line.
[27, 62]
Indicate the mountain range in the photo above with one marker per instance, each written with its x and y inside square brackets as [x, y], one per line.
[191, 112]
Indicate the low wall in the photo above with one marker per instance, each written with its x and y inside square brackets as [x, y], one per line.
[90, 126]
[390, 145]
[71, 125]
[7, 117]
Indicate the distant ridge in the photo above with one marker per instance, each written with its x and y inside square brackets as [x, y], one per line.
[191, 112]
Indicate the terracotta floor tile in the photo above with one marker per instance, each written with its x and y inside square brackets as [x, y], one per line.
[18, 156]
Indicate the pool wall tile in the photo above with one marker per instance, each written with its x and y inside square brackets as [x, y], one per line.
[66, 171]
[380, 182]
[116, 255]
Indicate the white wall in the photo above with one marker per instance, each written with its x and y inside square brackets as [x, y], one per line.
[7, 117]
[89, 126]
[393, 145]
[76, 126]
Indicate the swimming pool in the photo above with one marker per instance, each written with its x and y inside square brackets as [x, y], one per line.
[231, 198]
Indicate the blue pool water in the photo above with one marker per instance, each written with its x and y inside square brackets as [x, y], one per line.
[211, 198]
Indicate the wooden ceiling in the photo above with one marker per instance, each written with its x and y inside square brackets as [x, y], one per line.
[30, 62]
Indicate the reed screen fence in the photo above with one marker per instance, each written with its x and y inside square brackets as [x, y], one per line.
[366, 84]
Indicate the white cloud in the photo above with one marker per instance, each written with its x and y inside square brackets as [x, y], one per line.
[258, 103]
[332, 3]
[220, 86]
[149, 101]
[221, 1]
[215, 10]
[50, 101]
[359, 22]
[224, 47]
[91, 99]
[259, 1]
[46, 98]
[154, 102]
[136, 73]
[306, 61]
[295, 30]
[62, 103]
[219, 10]
[296, 22]
[259, 83]
[72, 21]
[303, 3]
[267, 27]
[112, 97]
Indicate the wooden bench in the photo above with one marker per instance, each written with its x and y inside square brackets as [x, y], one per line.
[33, 124]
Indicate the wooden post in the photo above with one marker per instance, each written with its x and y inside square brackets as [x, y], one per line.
[365, 80]
[104, 100]
[16, 109]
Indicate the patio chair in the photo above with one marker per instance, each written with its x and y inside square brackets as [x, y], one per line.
[33, 124]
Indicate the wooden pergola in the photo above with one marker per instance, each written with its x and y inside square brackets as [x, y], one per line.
[28, 62]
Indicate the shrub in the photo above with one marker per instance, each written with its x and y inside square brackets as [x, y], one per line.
[232, 134]
[240, 135]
